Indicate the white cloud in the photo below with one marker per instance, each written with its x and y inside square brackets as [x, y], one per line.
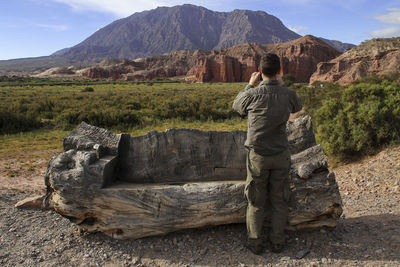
[386, 33]
[120, 8]
[298, 29]
[392, 18]
[53, 27]
[123, 8]
[348, 4]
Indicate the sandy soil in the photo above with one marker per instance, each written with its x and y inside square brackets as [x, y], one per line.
[368, 234]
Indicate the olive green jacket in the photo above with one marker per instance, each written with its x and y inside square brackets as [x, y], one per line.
[268, 107]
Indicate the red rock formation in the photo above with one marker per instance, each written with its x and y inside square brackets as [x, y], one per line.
[96, 73]
[216, 69]
[112, 72]
[299, 58]
[373, 57]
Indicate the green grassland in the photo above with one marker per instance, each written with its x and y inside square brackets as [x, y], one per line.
[37, 113]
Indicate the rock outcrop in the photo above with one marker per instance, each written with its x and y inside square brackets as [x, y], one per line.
[131, 187]
[373, 57]
[299, 58]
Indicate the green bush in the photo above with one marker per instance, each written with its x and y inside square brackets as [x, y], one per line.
[312, 96]
[364, 118]
[288, 79]
[14, 122]
[88, 89]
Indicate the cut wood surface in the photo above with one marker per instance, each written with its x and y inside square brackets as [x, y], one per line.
[132, 187]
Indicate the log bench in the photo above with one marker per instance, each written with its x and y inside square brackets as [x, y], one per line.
[132, 187]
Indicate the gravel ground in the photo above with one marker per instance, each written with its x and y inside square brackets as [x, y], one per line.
[368, 234]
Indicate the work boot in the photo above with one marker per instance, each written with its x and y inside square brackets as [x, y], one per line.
[277, 248]
[255, 247]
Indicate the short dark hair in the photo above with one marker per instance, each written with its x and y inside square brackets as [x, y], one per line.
[270, 64]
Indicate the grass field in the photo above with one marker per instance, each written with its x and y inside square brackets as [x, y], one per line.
[36, 114]
[124, 106]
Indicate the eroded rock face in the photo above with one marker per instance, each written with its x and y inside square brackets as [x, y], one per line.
[131, 187]
[299, 58]
[373, 57]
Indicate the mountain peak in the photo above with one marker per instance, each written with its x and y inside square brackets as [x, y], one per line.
[186, 26]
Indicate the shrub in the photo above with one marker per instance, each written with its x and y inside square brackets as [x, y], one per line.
[288, 79]
[364, 118]
[14, 122]
[88, 89]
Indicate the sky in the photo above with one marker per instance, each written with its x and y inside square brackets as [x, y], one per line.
[31, 28]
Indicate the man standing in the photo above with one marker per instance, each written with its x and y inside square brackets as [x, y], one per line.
[268, 107]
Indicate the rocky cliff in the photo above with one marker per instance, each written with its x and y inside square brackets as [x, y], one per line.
[299, 58]
[373, 57]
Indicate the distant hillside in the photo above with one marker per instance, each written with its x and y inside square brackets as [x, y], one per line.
[339, 46]
[374, 57]
[29, 65]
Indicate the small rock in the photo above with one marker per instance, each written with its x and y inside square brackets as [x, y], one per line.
[30, 203]
[378, 251]
[286, 258]
[204, 251]
[135, 260]
[302, 253]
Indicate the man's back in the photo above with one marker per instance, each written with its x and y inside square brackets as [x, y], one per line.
[268, 107]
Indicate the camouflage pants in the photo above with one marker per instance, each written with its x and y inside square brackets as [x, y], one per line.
[267, 184]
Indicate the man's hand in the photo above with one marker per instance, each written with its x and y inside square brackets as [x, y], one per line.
[254, 78]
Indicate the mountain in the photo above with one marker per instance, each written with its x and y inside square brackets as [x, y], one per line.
[60, 52]
[339, 46]
[167, 29]
[163, 30]
[373, 57]
[29, 65]
[235, 64]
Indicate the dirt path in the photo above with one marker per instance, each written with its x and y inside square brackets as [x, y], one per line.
[368, 234]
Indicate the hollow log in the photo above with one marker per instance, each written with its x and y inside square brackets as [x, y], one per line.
[132, 187]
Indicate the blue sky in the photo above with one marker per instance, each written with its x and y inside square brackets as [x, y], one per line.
[31, 28]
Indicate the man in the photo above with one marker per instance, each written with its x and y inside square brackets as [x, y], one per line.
[268, 107]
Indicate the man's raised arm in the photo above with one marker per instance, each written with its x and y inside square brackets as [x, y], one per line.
[241, 101]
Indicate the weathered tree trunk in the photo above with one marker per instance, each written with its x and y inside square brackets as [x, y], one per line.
[131, 187]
